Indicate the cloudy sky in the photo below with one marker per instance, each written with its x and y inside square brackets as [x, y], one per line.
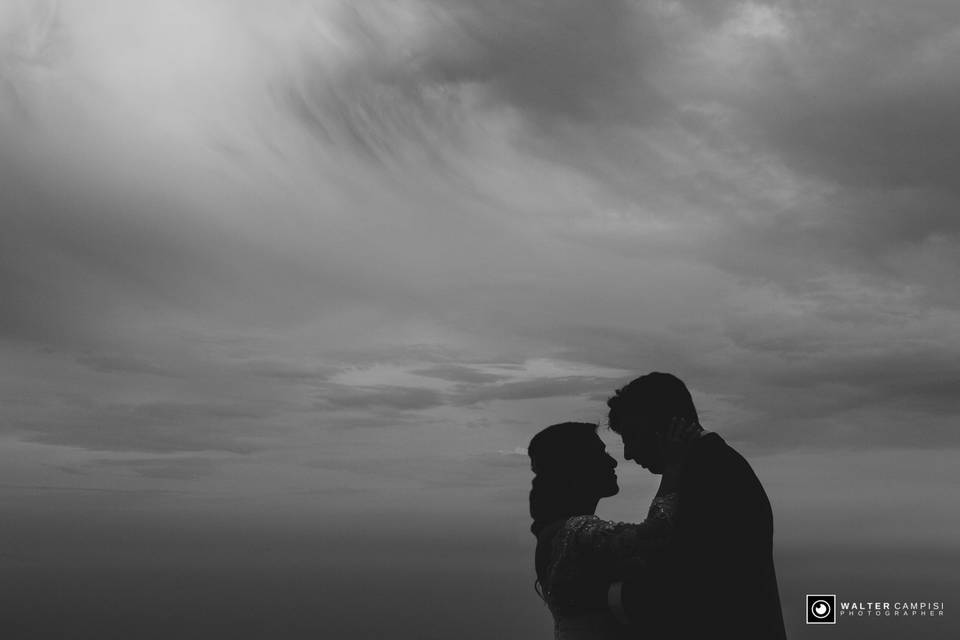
[305, 276]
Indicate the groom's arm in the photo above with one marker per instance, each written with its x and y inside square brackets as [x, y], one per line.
[641, 598]
[645, 598]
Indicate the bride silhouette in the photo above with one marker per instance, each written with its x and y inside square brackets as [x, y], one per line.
[578, 555]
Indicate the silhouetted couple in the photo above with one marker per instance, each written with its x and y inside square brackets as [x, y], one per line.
[699, 566]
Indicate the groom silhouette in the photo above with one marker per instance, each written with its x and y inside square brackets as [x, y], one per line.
[717, 580]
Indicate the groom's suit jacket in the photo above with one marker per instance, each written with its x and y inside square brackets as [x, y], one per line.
[717, 580]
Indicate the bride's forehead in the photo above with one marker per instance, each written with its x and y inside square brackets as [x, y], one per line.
[594, 444]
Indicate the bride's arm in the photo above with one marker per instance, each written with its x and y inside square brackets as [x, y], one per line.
[622, 540]
[584, 537]
[589, 553]
[607, 550]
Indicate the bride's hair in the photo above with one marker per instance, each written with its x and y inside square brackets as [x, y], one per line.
[556, 493]
[555, 453]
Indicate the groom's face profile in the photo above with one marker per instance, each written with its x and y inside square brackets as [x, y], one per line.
[641, 413]
[641, 444]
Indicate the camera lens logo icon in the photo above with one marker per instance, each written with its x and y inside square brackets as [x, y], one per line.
[821, 609]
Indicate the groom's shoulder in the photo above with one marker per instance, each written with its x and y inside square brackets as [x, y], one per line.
[714, 456]
[713, 449]
[722, 482]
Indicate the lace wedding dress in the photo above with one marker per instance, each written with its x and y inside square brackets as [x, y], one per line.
[586, 552]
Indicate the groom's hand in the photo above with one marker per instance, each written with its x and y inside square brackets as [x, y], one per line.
[674, 444]
[675, 440]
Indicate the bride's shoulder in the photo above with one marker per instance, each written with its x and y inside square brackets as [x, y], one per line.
[576, 522]
[586, 527]
[573, 528]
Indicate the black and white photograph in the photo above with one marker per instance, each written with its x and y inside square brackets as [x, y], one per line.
[475, 319]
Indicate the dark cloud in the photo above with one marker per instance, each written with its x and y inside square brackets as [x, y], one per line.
[923, 378]
[458, 373]
[368, 417]
[567, 386]
[414, 356]
[783, 381]
[552, 62]
[338, 397]
[899, 396]
[464, 394]
[888, 239]
[162, 468]
[567, 59]
[156, 427]
[639, 350]
[287, 372]
[905, 140]
[862, 94]
[484, 470]
[120, 364]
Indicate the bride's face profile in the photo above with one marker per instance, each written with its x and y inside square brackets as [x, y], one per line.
[571, 468]
[599, 467]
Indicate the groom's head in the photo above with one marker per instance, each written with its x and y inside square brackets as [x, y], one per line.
[642, 410]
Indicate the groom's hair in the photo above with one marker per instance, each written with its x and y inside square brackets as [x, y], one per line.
[657, 397]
